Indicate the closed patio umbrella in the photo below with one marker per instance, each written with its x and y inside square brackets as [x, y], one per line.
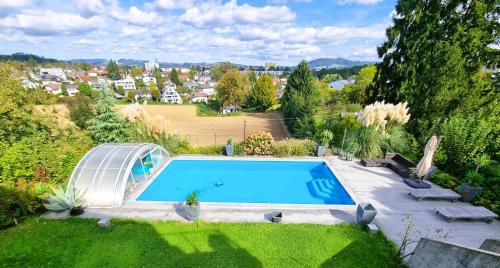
[424, 165]
[426, 161]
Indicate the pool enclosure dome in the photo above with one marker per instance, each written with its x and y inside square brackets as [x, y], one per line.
[109, 172]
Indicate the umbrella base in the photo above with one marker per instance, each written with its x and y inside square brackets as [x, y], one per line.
[417, 184]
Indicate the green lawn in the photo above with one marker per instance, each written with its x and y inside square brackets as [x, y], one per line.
[79, 243]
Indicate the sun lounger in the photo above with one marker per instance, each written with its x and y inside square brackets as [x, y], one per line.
[447, 194]
[467, 212]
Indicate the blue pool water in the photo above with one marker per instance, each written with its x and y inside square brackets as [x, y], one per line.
[239, 181]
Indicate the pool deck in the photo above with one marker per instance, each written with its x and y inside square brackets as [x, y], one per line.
[380, 186]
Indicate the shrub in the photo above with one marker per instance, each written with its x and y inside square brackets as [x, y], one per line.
[446, 180]
[339, 125]
[259, 143]
[139, 132]
[19, 200]
[42, 159]
[464, 140]
[365, 142]
[325, 138]
[397, 140]
[81, 109]
[208, 150]
[293, 147]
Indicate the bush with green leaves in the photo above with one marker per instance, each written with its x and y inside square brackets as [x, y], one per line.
[20, 199]
[465, 138]
[325, 138]
[293, 147]
[259, 143]
[81, 109]
[42, 158]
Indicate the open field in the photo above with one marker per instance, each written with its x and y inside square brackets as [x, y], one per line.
[204, 130]
[80, 243]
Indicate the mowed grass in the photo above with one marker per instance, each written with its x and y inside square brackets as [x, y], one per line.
[80, 243]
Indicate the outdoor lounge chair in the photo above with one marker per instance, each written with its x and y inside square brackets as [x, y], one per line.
[447, 194]
[467, 212]
[396, 162]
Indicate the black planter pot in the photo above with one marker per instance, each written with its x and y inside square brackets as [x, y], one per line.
[76, 211]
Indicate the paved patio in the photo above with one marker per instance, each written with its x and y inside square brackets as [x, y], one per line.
[376, 185]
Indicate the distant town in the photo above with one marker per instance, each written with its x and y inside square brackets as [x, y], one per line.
[153, 82]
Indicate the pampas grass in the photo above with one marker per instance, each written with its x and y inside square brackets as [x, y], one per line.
[156, 125]
[379, 114]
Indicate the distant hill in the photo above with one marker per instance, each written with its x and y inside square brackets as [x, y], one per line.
[26, 57]
[337, 63]
[91, 61]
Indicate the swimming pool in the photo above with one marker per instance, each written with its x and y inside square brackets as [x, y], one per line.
[244, 181]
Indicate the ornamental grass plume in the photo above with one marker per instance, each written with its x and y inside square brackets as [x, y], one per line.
[136, 113]
[379, 114]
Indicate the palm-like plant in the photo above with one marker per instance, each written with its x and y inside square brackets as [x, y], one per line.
[62, 200]
[192, 199]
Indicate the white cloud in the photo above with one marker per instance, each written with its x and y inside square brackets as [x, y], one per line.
[132, 30]
[44, 23]
[90, 7]
[284, 2]
[365, 53]
[14, 3]
[217, 15]
[87, 42]
[134, 15]
[359, 2]
[174, 4]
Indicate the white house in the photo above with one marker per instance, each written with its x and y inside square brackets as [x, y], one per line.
[202, 78]
[169, 94]
[54, 88]
[199, 97]
[190, 84]
[72, 89]
[127, 83]
[148, 79]
[207, 89]
[151, 65]
[228, 109]
[184, 70]
[58, 73]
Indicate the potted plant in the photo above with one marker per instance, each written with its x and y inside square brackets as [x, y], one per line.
[324, 142]
[229, 147]
[365, 213]
[470, 189]
[61, 200]
[192, 207]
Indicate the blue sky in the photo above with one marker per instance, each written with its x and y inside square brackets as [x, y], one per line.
[248, 32]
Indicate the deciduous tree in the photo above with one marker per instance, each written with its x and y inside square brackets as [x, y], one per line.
[263, 95]
[233, 88]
